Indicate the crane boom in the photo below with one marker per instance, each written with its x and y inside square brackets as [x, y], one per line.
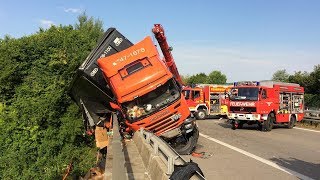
[158, 32]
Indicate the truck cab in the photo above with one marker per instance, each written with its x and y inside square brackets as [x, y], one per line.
[147, 93]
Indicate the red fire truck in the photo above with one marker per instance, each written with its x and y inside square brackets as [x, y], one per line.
[266, 103]
[207, 99]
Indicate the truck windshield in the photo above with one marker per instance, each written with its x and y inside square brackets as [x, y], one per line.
[152, 101]
[244, 93]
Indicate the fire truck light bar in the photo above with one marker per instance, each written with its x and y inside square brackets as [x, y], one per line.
[246, 83]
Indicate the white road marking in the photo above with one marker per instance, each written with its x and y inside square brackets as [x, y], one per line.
[306, 129]
[270, 163]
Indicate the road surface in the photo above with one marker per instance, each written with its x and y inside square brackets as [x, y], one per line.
[251, 154]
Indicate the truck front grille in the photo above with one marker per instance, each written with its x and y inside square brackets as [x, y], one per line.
[161, 125]
[243, 109]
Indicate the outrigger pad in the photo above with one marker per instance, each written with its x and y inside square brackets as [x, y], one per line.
[89, 84]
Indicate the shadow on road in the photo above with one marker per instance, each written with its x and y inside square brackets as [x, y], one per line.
[306, 168]
[247, 127]
[226, 124]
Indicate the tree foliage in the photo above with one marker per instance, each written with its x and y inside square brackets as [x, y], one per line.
[310, 82]
[197, 79]
[281, 75]
[214, 77]
[41, 129]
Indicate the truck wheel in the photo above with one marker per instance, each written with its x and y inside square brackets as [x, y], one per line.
[233, 125]
[185, 144]
[201, 114]
[240, 124]
[291, 122]
[260, 126]
[268, 124]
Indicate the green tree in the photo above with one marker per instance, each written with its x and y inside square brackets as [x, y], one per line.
[311, 83]
[41, 128]
[185, 78]
[198, 79]
[216, 77]
[281, 75]
[302, 78]
[314, 80]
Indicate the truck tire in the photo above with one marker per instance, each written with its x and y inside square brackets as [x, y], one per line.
[185, 171]
[201, 114]
[233, 125]
[240, 124]
[189, 145]
[268, 124]
[292, 122]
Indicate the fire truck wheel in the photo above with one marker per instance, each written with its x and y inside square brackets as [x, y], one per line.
[188, 144]
[201, 114]
[291, 122]
[268, 124]
[240, 125]
[260, 126]
[233, 125]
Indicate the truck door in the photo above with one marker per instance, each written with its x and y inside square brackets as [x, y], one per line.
[196, 97]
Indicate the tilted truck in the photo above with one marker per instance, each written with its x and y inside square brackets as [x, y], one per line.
[145, 89]
[265, 103]
[207, 99]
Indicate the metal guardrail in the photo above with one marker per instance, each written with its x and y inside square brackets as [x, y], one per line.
[311, 116]
[118, 161]
[165, 152]
[161, 149]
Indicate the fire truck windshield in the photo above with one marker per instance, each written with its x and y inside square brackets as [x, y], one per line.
[152, 101]
[244, 93]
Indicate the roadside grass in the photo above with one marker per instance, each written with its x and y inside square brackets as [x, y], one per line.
[309, 125]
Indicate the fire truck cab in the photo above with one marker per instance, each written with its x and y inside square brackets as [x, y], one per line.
[207, 99]
[265, 103]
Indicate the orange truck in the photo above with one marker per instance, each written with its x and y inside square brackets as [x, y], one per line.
[207, 99]
[146, 90]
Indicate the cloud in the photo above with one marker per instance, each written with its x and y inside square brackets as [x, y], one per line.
[46, 23]
[72, 10]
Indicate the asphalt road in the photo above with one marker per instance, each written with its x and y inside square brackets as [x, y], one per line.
[251, 154]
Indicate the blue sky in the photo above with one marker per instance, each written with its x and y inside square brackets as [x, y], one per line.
[246, 40]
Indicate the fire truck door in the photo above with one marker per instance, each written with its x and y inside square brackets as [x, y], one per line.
[214, 103]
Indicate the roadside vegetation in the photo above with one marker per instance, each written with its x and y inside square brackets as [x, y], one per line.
[40, 127]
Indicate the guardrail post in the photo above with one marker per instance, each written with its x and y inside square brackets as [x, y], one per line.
[170, 165]
[148, 137]
[141, 131]
[156, 148]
